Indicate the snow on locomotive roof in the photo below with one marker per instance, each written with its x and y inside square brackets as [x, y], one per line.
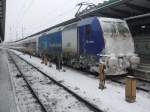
[70, 26]
[57, 29]
[110, 19]
[86, 21]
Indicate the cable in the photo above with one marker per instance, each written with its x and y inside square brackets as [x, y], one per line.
[50, 19]
[23, 7]
[25, 11]
[59, 15]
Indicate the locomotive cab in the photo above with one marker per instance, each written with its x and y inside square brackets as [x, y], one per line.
[118, 54]
[90, 36]
[90, 43]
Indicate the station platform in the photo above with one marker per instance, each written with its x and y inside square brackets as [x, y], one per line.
[7, 100]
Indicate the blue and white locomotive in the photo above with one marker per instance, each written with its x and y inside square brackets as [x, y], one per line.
[86, 43]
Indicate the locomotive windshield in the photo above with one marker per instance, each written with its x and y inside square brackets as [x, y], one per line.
[115, 29]
[109, 28]
[122, 29]
[118, 39]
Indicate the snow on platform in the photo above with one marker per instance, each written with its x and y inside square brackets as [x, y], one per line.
[7, 99]
[112, 99]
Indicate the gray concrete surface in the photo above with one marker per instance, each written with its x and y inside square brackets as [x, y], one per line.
[7, 102]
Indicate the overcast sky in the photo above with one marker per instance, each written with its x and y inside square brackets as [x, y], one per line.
[25, 17]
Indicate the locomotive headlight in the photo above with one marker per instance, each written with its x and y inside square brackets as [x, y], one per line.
[113, 62]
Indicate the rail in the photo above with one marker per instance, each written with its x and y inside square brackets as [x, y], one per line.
[87, 103]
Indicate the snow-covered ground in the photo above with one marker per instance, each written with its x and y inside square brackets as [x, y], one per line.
[111, 99]
[53, 97]
[23, 97]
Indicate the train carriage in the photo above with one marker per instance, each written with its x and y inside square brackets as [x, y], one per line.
[50, 43]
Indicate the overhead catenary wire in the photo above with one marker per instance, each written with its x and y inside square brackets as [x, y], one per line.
[21, 10]
[56, 19]
[52, 19]
[25, 12]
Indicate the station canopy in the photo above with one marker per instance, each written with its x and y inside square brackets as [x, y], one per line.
[119, 9]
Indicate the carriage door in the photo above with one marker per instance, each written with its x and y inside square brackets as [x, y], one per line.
[84, 34]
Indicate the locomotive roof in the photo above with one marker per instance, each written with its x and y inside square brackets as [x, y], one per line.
[111, 19]
[55, 30]
[60, 28]
[86, 21]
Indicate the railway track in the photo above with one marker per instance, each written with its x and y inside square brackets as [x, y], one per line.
[17, 60]
[28, 85]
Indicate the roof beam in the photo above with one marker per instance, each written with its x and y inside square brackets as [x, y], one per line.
[109, 14]
[122, 12]
[138, 8]
[139, 16]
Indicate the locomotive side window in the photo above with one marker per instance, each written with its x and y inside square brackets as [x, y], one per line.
[87, 29]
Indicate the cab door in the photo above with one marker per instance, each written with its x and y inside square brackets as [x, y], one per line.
[85, 39]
